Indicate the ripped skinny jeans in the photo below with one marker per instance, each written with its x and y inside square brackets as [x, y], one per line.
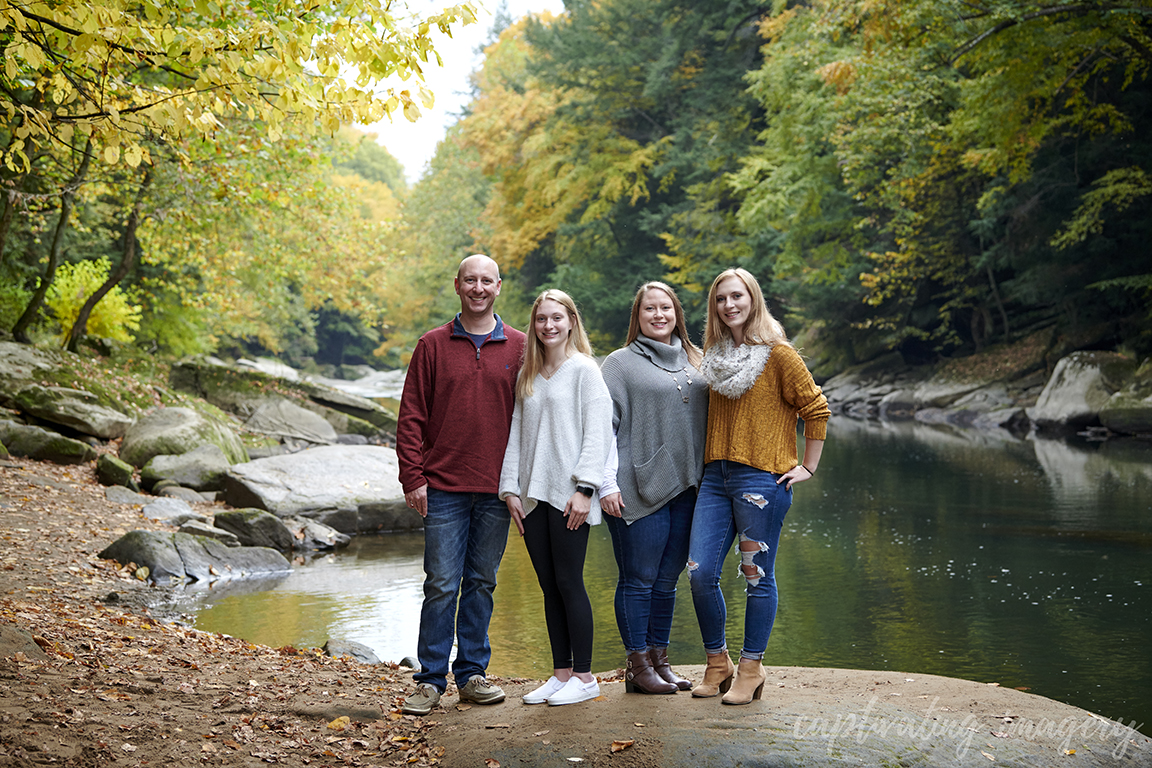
[736, 503]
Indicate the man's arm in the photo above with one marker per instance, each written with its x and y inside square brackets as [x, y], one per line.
[411, 426]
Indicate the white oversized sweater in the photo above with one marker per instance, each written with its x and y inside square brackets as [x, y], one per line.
[560, 438]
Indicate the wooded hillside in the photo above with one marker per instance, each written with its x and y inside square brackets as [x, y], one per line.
[927, 176]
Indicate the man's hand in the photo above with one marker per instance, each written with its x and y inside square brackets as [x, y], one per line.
[418, 500]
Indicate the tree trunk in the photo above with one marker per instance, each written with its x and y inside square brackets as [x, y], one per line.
[80, 327]
[67, 199]
[999, 304]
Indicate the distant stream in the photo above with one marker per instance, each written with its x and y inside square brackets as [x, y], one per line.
[919, 549]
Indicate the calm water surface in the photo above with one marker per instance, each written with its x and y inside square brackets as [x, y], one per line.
[917, 549]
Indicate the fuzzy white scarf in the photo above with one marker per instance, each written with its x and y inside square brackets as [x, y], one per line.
[732, 370]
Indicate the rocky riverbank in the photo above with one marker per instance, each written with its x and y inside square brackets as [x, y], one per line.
[1019, 388]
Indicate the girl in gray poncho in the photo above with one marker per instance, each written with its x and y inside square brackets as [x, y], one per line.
[660, 415]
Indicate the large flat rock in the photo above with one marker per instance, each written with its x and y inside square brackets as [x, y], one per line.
[325, 479]
[806, 717]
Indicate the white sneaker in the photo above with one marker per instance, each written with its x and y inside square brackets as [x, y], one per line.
[575, 690]
[541, 694]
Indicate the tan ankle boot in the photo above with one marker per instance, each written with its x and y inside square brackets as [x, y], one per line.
[748, 684]
[717, 677]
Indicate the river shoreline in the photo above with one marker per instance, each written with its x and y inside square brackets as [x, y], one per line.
[89, 678]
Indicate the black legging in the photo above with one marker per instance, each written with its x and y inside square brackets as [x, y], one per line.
[558, 557]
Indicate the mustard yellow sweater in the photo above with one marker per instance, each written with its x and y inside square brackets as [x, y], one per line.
[759, 427]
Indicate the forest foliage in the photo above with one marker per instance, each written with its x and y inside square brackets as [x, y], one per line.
[926, 176]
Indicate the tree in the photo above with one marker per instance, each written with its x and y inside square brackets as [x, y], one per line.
[123, 72]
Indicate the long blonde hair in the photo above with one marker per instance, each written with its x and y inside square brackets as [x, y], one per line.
[760, 328]
[690, 349]
[534, 350]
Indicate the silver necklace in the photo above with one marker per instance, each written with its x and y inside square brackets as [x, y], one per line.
[680, 389]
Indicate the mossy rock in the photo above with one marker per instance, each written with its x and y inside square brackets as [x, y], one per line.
[112, 471]
[175, 431]
[41, 444]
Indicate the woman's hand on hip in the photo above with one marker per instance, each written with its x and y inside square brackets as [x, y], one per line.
[516, 509]
[576, 510]
[612, 504]
[798, 474]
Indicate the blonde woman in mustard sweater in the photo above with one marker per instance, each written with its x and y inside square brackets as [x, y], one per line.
[759, 386]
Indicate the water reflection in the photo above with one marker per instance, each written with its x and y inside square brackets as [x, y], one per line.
[917, 548]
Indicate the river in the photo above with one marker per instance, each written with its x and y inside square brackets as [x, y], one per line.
[916, 548]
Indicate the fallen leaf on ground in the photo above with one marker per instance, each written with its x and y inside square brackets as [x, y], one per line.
[339, 723]
[499, 725]
[1069, 751]
[542, 733]
[463, 707]
[987, 755]
[620, 745]
[492, 762]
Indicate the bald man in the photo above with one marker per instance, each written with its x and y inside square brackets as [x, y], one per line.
[455, 414]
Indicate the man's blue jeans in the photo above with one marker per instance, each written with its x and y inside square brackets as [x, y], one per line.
[651, 554]
[736, 499]
[464, 539]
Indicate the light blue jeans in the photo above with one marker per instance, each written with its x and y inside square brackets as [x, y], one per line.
[464, 539]
[736, 501]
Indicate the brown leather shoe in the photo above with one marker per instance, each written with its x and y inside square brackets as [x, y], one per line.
[659, 659]
[641, 678]
[748, 684]
[717, 677]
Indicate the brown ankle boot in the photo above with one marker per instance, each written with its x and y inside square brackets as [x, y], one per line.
[748, 684]
[717, 677]
[659, 659]
[641, 678]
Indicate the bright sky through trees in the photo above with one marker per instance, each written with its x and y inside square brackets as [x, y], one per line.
[413, 144]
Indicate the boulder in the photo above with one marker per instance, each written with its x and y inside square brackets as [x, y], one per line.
[40, 444]
[353, 405]
[283, 419]
[174, 511]
[271, 367]
[1080, 387]
[309, 535]
[174, 557]
[72, 408]
[198, 528]
[182, 493]
[201, 469]
[1129, 411]
[324, 479]
[175, 431]
[243, 389]
[230, 389]
[151, 549]
[21, 362]
[356, 651]
[256, 528]
[111, 471]
[390, 515]
[374, 517]
[343, 423]
[120, 495]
